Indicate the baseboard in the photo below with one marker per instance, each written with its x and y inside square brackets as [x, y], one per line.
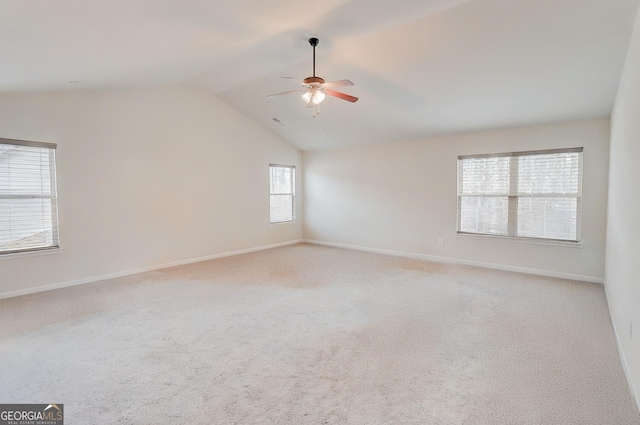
[623, 358]
[449, 260]
[92, 279]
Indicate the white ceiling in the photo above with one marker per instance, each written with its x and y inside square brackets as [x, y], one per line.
[421, 68]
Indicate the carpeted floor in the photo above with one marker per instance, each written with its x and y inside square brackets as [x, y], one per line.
[314, 335]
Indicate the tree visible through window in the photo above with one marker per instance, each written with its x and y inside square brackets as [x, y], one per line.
[282, 179]
[521, 194]
[28, 201]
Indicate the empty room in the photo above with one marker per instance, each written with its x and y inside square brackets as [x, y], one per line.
[340, 212]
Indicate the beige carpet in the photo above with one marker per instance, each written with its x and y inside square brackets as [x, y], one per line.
[315, 335]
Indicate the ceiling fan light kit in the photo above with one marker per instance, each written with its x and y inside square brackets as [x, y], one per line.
[313, 95]
[316, 89]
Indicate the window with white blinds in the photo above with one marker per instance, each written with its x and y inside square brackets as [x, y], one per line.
[521, 194]
[282, 179]
[28, 202]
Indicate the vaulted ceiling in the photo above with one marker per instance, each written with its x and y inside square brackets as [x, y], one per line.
[421, 68]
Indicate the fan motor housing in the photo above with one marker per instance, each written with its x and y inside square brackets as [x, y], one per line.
[310, 80]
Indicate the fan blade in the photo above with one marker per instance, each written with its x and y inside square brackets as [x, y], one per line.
[285, 92]
[341, 95]
[339, 83]
[293, 79]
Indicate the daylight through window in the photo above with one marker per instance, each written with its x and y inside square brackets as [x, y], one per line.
[28, 202]
[521, 194]
[282, 180]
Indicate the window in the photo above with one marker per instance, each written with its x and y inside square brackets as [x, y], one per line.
[28, 203]
[521, 194]
[282, 193]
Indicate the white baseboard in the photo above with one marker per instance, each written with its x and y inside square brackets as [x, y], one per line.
[92, 279]
[448, 260]
[623, 358]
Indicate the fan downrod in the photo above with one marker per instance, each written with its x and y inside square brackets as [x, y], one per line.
[314, 42]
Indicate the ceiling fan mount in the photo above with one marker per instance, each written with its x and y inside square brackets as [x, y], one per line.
[316, 88]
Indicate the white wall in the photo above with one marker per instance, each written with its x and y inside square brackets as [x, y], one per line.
[402, 197]
[622, 276]
[146, 177]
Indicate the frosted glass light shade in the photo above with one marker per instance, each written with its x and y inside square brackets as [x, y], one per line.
[313, 95]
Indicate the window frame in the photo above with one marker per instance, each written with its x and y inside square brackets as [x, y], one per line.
[514, 197]
[292, 193]
[52, 196]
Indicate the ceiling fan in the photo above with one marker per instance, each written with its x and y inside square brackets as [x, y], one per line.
[315, 88]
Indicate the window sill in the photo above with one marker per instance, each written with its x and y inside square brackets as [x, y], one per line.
[37, 253]
[529, 241]
[283, 223]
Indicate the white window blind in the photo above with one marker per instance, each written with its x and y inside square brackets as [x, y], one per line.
[521, 194]
[282, 179]
[28, 202]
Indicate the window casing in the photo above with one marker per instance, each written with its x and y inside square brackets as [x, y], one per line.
[282, 193]
[28, 196]
[533, 195]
